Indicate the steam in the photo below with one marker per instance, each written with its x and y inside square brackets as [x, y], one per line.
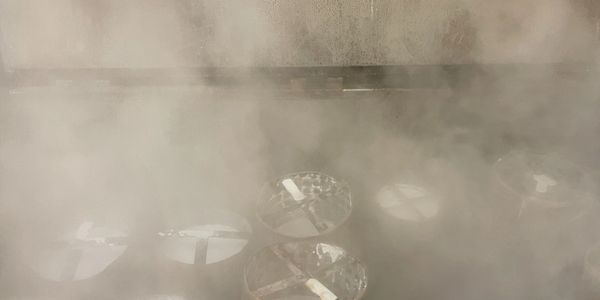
[121, 155]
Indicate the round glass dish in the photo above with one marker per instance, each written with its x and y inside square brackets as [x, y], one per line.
[304, 270]
[304, 204]
[408, 202]
[542, 181]
[80, 253]
[217, 236]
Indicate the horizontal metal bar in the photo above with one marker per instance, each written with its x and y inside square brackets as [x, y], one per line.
[337, 78]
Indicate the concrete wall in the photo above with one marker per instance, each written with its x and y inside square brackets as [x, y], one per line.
[159, 33]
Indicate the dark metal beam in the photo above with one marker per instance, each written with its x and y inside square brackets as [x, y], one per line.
[287, 78]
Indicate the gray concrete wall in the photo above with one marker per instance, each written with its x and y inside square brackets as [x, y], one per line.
[159, 33]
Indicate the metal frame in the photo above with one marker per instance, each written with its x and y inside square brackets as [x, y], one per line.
[356, 78]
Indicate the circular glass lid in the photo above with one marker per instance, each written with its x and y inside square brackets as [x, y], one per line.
[545, 179]
[218, 236]
[304, 204]
[408, 202]
[305, 271]
[85, 251]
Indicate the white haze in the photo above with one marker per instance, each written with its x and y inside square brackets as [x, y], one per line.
[124, 154]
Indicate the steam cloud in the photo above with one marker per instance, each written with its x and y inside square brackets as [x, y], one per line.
[68, 153]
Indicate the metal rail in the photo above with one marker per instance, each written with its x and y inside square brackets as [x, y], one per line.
[327, 78]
